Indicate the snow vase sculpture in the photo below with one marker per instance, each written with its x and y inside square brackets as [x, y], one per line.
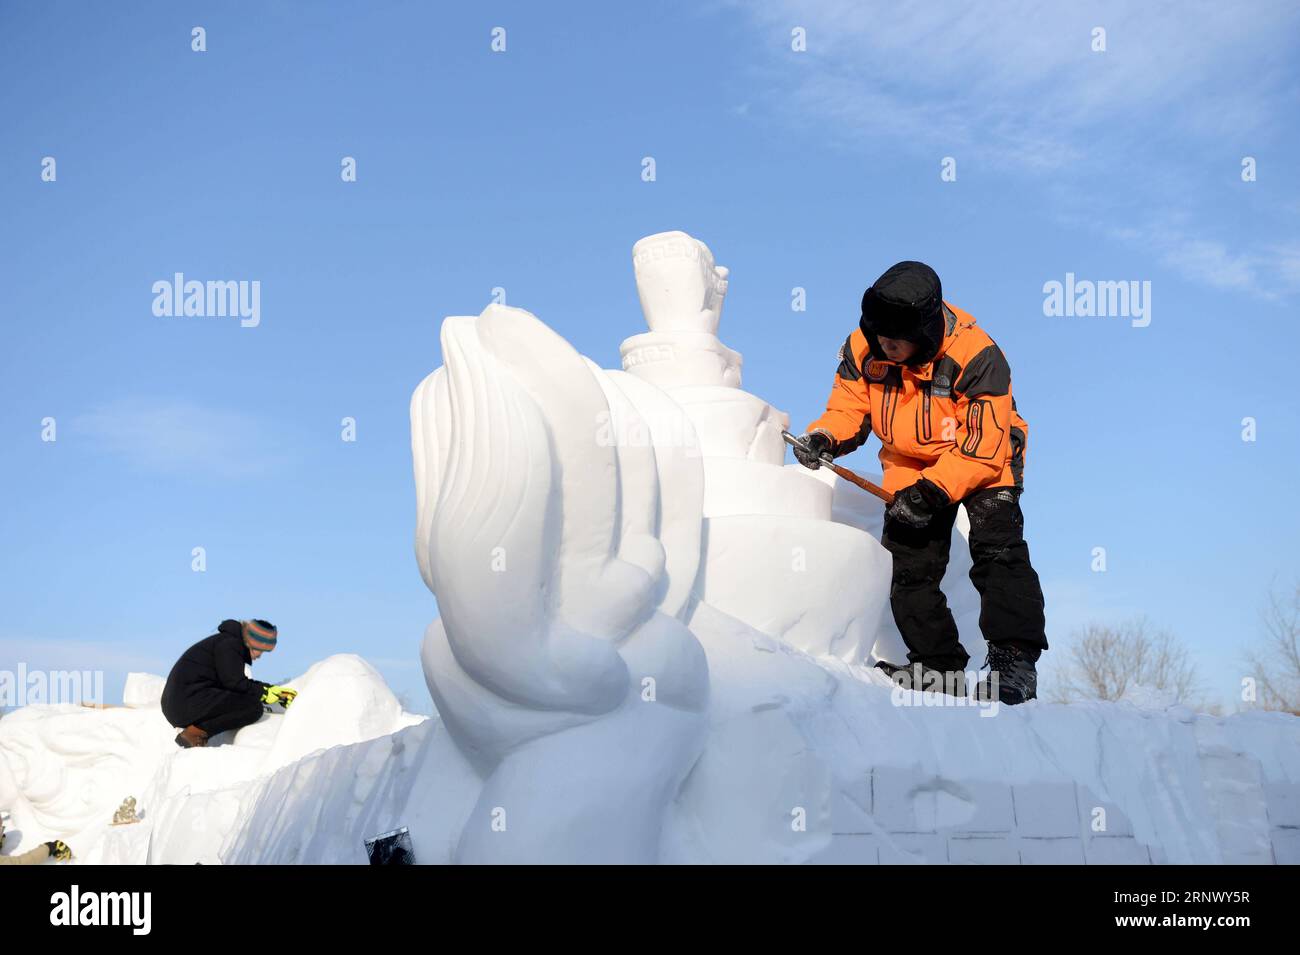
[562, 561]
[682, 293]
[774, 558]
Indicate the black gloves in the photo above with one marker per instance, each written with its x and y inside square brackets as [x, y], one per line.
[814, 445]
[915, 505]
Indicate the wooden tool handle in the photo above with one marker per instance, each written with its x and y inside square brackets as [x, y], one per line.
[863, 483]
[845, 473]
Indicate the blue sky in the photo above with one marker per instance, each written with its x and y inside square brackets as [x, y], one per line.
[522, 170]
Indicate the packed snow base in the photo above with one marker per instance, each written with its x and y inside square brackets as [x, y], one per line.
[807, 760]
[654, 645]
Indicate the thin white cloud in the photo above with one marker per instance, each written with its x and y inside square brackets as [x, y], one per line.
[175, 436]
[1015, 85]
[1017, 81]
[1267, 270]
[1286, 261]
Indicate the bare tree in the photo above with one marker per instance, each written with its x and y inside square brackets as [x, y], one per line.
[1274, 661]
[1103, 661]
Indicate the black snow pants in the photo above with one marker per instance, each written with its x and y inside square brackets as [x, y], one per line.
[219, 711]
[1011, 598]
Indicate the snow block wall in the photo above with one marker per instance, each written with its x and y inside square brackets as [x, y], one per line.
[654, 645]
[1119, 785]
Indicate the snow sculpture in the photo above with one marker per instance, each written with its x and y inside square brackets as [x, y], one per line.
[571, 520]
[772, 559]
[561, 561]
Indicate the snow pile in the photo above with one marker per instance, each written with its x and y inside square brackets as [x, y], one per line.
[143, 689]
[655, 645]
[807, 760]
[65, 769]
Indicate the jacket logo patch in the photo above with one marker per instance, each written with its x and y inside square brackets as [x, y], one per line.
[876, 370]
[941, 387]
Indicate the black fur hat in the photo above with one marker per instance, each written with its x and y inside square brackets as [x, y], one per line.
[907, 303]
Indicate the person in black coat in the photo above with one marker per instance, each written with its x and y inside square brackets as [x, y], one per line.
[207, 692]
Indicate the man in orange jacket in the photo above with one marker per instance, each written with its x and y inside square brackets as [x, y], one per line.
[936, 391]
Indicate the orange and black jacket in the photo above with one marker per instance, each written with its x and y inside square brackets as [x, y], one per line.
[952, 420]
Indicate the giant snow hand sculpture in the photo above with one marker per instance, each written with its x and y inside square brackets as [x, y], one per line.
[562, 557]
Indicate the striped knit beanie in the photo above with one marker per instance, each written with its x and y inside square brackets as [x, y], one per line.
[260, 635]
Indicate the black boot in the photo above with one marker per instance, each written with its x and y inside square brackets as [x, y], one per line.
[918, 676]
[1014, 673]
